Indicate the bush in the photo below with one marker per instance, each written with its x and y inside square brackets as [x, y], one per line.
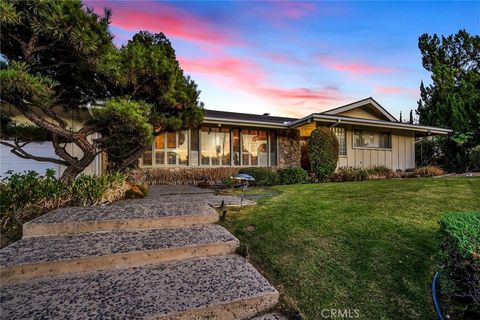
[460, 254]
[94, 190]
[25, 196]
[292, 175]
[379, 172]
[429, 171]
[430, 151]
[474, 158]
[20, 191]
[263, 176]
[323, 152]
[349, 174]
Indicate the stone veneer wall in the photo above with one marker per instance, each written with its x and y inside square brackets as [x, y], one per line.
[289, 151]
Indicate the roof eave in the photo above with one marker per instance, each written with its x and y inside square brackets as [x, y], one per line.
[373, 123]
[212, 120]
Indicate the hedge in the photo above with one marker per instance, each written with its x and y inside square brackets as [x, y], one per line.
[263, 176]
[460, 254]
[294, 175]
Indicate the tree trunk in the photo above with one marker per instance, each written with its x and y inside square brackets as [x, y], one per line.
[89, 154]
[133, 157]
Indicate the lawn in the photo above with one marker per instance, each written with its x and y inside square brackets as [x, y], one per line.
[370, 246]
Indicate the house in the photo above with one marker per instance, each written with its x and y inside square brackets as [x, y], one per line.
[368, 136]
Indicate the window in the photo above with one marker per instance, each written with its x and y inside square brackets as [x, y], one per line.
[194, 147]
[342, 140]
[215, 146]
[367, 139]
[254, 148]
[168, 148]
[147, 158]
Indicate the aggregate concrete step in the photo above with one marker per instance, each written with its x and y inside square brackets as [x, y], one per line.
[61, 254]
[128, 216]
[219, 287]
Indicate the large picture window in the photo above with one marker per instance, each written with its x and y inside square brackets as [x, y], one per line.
[215, 146]
[342, 140]
[370, 139]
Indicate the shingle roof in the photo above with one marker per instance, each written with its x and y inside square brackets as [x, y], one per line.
[246, 117]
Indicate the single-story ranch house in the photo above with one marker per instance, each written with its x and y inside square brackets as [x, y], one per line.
[368, 136]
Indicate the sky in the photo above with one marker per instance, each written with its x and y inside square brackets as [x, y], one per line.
[295, 58]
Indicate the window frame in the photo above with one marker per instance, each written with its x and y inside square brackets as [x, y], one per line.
[344, 144]
[166, 150]
[371, 131]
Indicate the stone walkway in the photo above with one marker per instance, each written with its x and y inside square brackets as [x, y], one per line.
[160, 257]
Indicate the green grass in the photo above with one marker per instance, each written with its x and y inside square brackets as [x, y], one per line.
[370, 245]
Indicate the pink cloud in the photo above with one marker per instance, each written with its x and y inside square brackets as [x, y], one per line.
[282, 58]
[233, 68]
[354, 68]
[397, 90]
[161, 17]
[242, 74]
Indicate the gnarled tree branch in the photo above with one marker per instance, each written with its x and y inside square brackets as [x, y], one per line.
[18, 151]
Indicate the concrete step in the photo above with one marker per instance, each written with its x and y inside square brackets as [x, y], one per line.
[133, 216]
[220, 287]
[62, 254]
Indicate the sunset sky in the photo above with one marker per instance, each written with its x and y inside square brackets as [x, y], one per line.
[296, 58]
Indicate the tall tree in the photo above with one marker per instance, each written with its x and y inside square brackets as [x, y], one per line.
[147, 69]
[59, 55]
[453, 98]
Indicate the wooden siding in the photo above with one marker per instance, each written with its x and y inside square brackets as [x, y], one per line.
[400, 156]
[359, 113]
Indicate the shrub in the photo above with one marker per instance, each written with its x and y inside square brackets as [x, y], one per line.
[292, 175]
[263, 176]
[94, 190]
[379, 172]
[430, 151]
[349, 174]
[474, 158]
[23, 190]
[323, 152]
[429, 171]
[460, 254]
[25, 196]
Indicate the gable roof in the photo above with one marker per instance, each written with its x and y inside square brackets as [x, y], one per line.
[330, 116]
[372, 106]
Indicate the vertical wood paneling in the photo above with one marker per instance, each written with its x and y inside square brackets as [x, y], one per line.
[401, 153]
[401, 156]
[408, 153]
[388, 159]
[366, 157]
[373, 157]
[359, 158]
